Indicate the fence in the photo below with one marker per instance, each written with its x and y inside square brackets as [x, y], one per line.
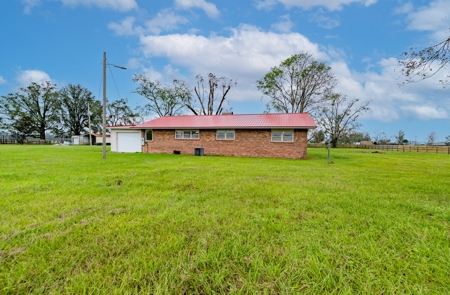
[33, 141]
[396, 148]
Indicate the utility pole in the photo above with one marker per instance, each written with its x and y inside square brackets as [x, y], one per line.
[104, 105]
[104, 100]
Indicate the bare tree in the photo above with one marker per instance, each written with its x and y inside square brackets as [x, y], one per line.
[298, 85]
[119, 113]
[431, 138]
[210, 94]
[424, 64]
[380, 138]
[339, 117]
[163, 100]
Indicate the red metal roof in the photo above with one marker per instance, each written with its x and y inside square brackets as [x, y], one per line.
[252, 121]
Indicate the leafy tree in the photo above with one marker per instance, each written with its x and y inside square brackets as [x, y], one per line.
[21, 128]
[73, 106]
[424, 64]
[400, 137]
[298, 85]
[431, 138]
[339, 117]
[35, 104]
[163, 100]
[447, 140]
[210, 94]
[119, 113]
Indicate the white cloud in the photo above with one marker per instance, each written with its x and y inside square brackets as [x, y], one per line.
[389, 102]
[120, 5]
[2, 80]
[285, 25]
[29, 4]
[424, 112]
[24, 78]
[247, 51]
[124, 28]
[209, 8]
[433, 18]
[165, 20]
[246, 55]
[306, 4]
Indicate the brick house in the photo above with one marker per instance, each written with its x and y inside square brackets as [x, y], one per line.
[258, 135]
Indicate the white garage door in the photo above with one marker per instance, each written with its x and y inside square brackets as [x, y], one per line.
[129, 142]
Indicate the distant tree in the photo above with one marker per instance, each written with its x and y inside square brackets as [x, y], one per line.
[447, 140]
[299, 84]
[431, 138]
[35, 104]
[356, 137]
[424, 64]
[380, 138]
[339, 117]
[163, 100]
[317, 136]
[400, 137]
[210, 95]
[73, 105]
[119, 113]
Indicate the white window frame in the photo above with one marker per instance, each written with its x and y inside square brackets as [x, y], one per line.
[184, 131]
[282, 138]
[226, 134]
[145, 134]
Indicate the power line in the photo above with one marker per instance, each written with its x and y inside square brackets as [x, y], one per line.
[117, 89]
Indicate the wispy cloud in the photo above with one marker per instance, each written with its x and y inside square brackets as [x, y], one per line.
[29, 4]
[164, 21]
[306, 4]
[285, 25]
[434, 18]
[209, 8]
[119, 5]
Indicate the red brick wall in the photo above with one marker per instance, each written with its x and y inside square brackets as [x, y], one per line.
[248, 143]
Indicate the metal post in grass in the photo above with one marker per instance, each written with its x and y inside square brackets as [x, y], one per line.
[328, 142]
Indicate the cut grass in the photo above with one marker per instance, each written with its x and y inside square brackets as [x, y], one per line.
[142, 223]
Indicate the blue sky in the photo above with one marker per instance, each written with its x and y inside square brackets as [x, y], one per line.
[362, 40]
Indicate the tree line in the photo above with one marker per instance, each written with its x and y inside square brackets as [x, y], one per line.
[41, 107]
[298, 84]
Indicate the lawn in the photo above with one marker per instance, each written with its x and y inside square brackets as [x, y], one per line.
[371, 223]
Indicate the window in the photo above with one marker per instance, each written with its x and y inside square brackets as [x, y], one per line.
[282, 135]
[148, 135]
[225, 135]
[187, 134]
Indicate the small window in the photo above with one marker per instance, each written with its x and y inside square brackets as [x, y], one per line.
[148, 135]
[187, 134]
[282, 135]
[225, 135]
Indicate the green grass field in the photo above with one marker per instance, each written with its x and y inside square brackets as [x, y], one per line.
[371, 223]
